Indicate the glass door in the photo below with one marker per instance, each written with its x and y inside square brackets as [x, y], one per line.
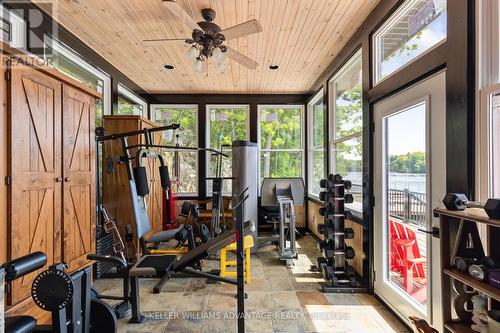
[409, 171]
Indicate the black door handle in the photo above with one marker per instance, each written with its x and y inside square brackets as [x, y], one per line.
[434, 232]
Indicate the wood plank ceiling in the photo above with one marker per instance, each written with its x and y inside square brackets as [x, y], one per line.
[302, 36]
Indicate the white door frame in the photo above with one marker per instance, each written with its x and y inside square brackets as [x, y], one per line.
[431, 91]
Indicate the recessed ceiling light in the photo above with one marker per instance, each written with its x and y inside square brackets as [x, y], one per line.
[274, 67]
[168, 66]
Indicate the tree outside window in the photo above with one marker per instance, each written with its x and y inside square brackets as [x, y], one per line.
[316, 144]
[281, 143]
[226, 123]
[346, 145]
[184, 173]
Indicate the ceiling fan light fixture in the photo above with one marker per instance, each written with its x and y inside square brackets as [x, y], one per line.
[198, 65]
[274, 67]
[169, 66]
[193, 53]
[218, 56]
[221, 67]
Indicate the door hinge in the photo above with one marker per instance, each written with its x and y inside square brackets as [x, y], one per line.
[7, 75]
[372, 126]
[374, 275]
[8, 288]
[8, 180]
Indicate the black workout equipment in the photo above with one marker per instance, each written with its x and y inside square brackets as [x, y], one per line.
[8, 272]
[458, 201]
[67, 297]
[339, 276]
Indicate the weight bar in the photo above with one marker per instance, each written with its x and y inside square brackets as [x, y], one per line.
[459, 201]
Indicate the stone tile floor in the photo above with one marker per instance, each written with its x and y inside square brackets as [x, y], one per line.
[279, 300]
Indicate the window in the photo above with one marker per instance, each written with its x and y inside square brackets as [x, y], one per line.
[226, 123]
[184, 174]
[67, 61]
[316, 143]
[347, 128]
[12, 28]
[415, 28]
[281, 141]
[130, 103]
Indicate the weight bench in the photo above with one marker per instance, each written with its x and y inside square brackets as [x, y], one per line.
[153, 266]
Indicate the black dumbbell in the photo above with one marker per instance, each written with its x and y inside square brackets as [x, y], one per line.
[462, 264]
[348, 198]
[458, 201]
[349, 252]
[321, 228]
[349, 233]
[480, 270]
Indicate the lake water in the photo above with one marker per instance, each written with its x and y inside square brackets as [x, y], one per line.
[397, 181]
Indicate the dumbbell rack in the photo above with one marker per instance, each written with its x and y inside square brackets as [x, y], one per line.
[457, 288]
[338, 274]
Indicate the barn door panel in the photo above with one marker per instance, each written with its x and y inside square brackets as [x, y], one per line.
[79, 177]
[35, 162]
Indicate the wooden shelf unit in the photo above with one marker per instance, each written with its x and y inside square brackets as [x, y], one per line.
[451, 222]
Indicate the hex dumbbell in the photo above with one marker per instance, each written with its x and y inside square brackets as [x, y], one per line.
[349, 253]
[349, 233]
[458, 201]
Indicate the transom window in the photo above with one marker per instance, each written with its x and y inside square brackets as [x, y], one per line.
[316, 143]
[183, 165]
[347, 127]
[12, 28]
[130, 103]
[281, 142]
[70, 63]
[415, 28]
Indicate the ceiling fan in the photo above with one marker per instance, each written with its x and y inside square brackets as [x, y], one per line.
[207, 38]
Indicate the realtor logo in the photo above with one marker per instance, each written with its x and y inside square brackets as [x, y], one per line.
[25, 25]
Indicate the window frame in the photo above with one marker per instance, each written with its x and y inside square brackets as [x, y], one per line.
[332, 94]
[153, 108]
[384, 27]
[207, 136]
[67, 52]
[487, 83]
[18, 27]
[132, 97]
[302, 135]
[310, 142]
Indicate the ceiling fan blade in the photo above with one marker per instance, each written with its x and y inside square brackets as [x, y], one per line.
[164, 42]
[181, 14]
[242, 59]
[242, 29]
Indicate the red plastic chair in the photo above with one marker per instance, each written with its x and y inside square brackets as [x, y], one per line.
[407, 259]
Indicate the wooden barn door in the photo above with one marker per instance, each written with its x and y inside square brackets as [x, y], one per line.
[79, 177]
[35, 155]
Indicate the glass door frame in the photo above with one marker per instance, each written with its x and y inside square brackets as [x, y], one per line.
[432, 92]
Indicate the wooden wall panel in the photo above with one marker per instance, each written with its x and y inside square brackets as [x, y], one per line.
[36, 170]
[79, 160]
[356, 243]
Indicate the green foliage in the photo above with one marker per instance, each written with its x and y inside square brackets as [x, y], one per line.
[348, 121]
[284, 133]
[234, 127]
[127, 107]
[414, 162]
[187, 181]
